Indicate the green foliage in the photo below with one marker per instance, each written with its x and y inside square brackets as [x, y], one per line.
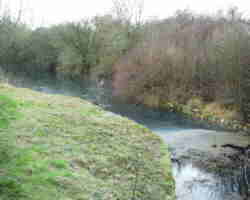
[78, 48]
[72, 49]
[41, 54]
[12, 38]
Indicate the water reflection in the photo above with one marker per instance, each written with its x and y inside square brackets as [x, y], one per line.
[194, 184]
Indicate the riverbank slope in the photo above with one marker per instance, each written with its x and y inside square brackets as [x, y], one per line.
[213, 115]
[58, 147]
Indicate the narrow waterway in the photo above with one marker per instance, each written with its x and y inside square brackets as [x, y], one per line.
[184, 137]
[193, 182]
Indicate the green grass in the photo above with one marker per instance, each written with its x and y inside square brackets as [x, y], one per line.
[64, 148]
[8, 111]
[9, 187]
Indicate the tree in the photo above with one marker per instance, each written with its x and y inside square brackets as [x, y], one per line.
[78, 48]
[130, 14]
[129, 11]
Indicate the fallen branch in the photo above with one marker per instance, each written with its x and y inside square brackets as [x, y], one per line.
[241, 149]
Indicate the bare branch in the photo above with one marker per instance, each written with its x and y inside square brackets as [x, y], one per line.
[129, 10]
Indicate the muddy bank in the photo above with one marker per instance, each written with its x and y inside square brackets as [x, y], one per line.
[204, 147]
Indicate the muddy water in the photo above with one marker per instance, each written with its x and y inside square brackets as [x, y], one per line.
[195, 183]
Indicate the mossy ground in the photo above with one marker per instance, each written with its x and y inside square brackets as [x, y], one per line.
[56, 147]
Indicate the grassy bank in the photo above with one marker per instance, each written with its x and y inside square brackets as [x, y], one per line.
[57, 147]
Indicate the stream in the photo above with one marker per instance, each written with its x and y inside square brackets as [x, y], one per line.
[193, 182]
[185, 139]
[191, 141]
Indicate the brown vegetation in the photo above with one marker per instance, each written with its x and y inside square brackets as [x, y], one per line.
[189, 56]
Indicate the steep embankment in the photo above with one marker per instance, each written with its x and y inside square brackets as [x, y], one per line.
[57, 147]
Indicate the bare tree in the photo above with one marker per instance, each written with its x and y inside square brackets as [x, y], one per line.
[130, 11]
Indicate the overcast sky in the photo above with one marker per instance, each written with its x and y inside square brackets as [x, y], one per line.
[44, 12]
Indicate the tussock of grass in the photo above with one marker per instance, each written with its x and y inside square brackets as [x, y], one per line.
[68, 149]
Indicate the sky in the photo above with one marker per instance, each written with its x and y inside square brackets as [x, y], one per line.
[48, 12]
